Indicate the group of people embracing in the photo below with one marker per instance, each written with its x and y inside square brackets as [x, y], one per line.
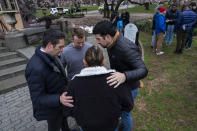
[98, 98]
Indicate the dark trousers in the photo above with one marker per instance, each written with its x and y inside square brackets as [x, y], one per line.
[58, 123]
[189, 39]
[182, 36]
[146, 5]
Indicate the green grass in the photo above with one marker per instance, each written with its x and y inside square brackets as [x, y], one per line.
[90, 8]
[39, 13]
[141, 9]
[168, 100]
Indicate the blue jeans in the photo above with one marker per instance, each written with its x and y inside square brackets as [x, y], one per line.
[189, 39]
[153, 39]
[169, 34]
[126, 121]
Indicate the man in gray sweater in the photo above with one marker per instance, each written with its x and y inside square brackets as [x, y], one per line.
[73, 54]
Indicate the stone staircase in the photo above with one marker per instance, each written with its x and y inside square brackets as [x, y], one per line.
[12, 68]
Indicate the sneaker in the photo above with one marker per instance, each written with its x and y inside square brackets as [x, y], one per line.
[160, 53]
[186, 48]
[189, 48]
[154, 50]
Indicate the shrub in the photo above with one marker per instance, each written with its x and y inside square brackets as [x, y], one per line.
[195, 31]
[144, 25]
[73, 15]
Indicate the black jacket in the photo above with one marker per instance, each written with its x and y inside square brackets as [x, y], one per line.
[125, 18]
[173, 16]
[46, 83]
[97, 106]
[124, 57]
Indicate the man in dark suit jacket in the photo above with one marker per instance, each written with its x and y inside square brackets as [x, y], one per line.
[47, 81]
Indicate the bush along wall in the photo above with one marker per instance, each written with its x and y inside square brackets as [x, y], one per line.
[195, 31]
[144, 25]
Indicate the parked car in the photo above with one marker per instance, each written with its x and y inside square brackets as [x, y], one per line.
[65, 11]
[53, 11]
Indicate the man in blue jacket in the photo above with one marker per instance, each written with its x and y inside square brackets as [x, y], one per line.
[186, 20]
[161, 5]
[160, 29]
[47, 81]
[191, 32]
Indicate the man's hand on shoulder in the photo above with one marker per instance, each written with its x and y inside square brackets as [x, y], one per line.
[66, 100]
[115, 79]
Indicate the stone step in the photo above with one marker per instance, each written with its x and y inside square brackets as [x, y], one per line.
[12, 72]
[8, 55]
[12, 83]
[1, 42]
[3, 49]
[12, 62]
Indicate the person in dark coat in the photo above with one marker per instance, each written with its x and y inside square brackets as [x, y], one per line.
[97, 106]
[125, 17]
[125, 58]
[114, 18]
[171, 20]
[185, 23]
[191, 32]
[47, 81]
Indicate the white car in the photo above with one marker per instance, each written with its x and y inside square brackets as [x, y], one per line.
[65, 10]
[53, 11]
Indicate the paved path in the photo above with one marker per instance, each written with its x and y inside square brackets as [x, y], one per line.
[16, 112]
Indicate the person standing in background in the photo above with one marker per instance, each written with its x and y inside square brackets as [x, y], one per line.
[160, 29]
[161, 5]
[191, 32]
[171, 20]
[125, 17]
[185, 23]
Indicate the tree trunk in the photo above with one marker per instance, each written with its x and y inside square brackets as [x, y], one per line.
[98, 2]
[112, 5]
[106, 10]
[118, 4]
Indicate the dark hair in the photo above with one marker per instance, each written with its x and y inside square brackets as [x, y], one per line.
[94, 56]
[80, 33]
[103, 28]
[161, 3]
[52, 36]
[184, 7]
[173, 5]
[193, 4]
